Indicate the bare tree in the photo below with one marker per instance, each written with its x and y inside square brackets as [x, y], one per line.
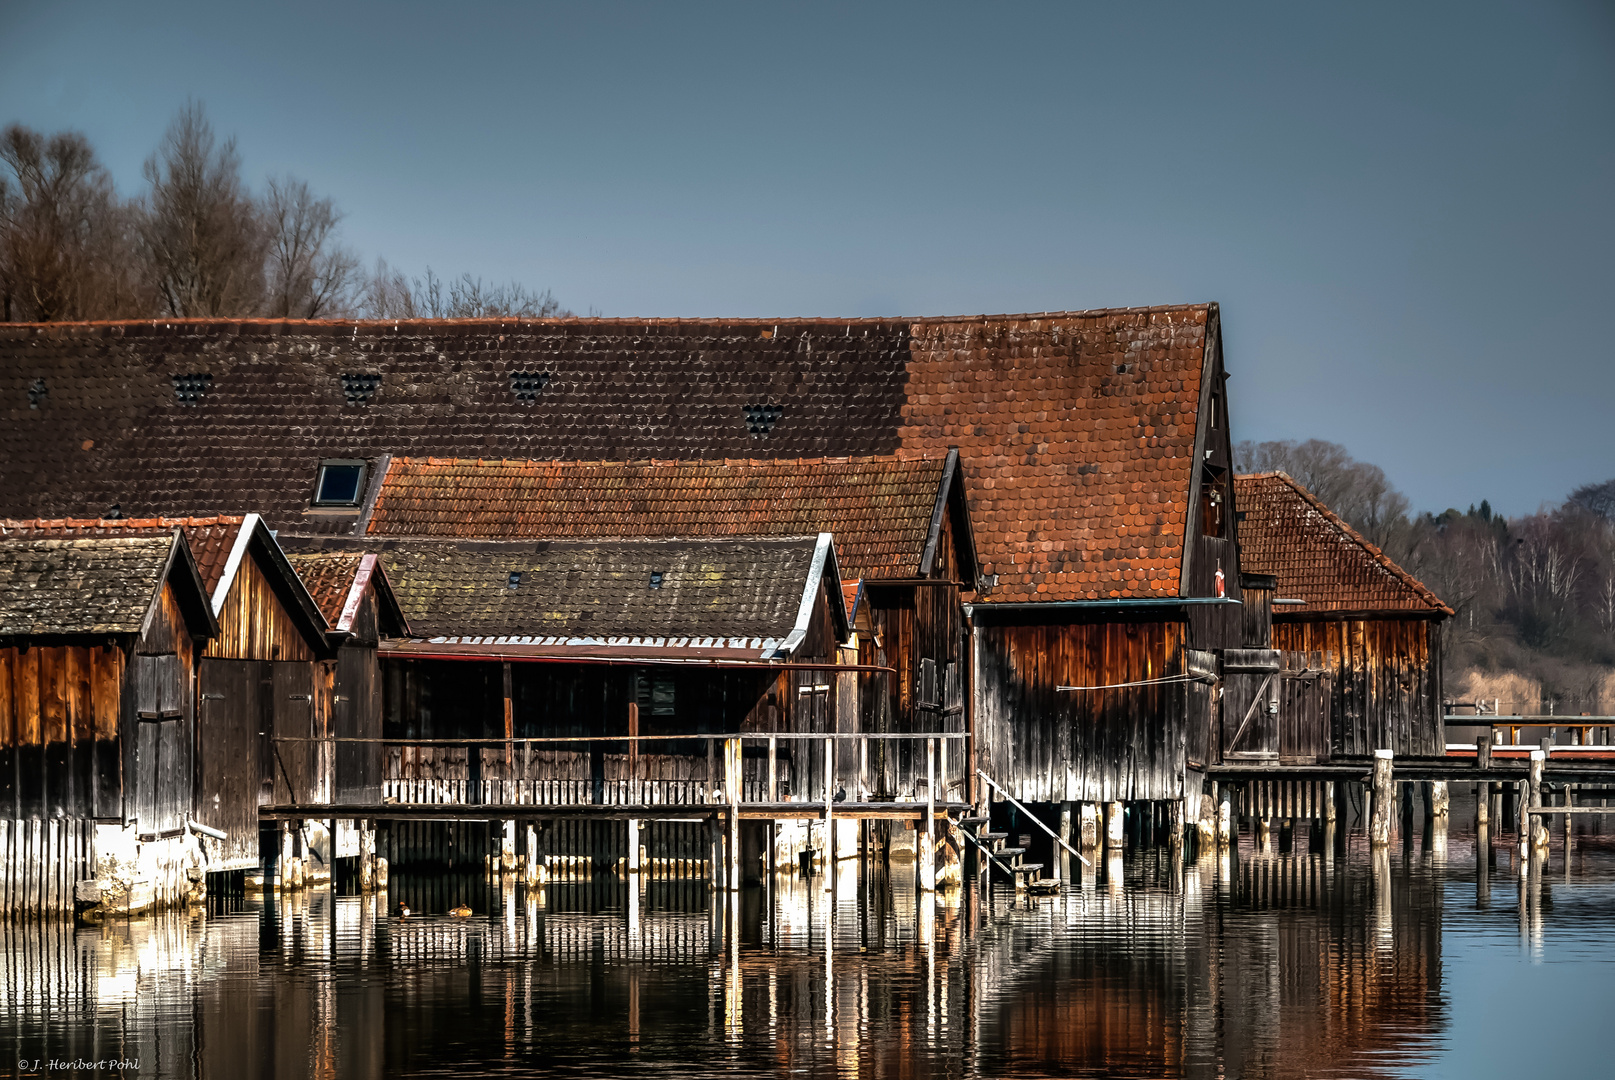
[65, 237]
[310, 275]
[1596, 499]
[1356, 490]
[201, 234]
[390, 295]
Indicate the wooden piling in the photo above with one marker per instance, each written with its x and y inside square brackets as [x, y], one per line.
[928, 856]
[1227, 827]
[1088, 816]
[1440, 799]
[1062, 859]
[1115, 825]
[1537, 828]
[1379, 832]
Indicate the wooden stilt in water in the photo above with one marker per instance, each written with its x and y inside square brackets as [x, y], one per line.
[1115, 825]
[1440, 799]
[1379, 829]
[1062, 858]
[1176, 824]
[1227, 834]
[1536, 827]
[1089, 824]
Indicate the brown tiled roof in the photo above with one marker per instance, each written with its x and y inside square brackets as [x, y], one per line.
[328, 577]
[80, 586]
[211, 538]
[879, 509]
[1285, 531]
[1077, 429]
[602, 588]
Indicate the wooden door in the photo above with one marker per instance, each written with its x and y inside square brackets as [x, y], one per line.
[1304, 694]
[1198, 710]
[162, 763]
[1250, 704]
[293, 754]
[227, 749]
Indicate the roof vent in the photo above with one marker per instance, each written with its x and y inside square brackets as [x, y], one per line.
[188, 389]
[37, 394]
[359, 388]
[1087, 468]
[760, 419]
[1125, 369]
[527, 384]
[515, 578]
[656, 579]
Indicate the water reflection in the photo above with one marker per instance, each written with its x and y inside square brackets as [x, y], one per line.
[1309, 954]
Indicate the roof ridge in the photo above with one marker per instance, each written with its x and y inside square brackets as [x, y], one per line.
[622, 321]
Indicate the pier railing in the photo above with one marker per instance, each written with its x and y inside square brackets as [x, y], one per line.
[651, 770]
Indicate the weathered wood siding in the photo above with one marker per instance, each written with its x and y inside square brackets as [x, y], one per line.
[356, 709]
[1049, 745]
[1385, 677]
[254, 625]
[59, 708]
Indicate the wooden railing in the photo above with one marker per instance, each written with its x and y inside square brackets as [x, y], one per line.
[665, 770]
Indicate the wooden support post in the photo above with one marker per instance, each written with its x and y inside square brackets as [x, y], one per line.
[927, 858]
[633, 846]
[1227, 826]
[773, 772]
[1088, 824]
[1115, 825]
[732, 783]
[829, 819]
[1440, 799]
[1379, 829]
[1331, 812]
[1176, 824]
[636, 789]
[1537, 829]
[510, 723]
[1062, 858]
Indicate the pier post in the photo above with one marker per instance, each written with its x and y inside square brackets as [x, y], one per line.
[1227, 829]
[1440, 799]
[829, 821]
[633, 846]
[1537, 829]
[927, 858]
[1115, 825]
[1089, 824]
[1379, 830]
[732, 783]
[1177, 825]
[1062, 858]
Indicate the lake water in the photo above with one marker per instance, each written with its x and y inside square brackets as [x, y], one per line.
[1282, 964]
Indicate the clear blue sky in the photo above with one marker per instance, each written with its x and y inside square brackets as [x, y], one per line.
[1406, 211]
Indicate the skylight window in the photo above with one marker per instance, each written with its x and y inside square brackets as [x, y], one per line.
[358, 388]
[188, 389]
[340, 483]
[656, 579]
[760, 419]
[37, 393]
[515, 579]
[527, 385]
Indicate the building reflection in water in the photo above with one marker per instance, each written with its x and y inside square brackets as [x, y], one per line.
[1252, 964]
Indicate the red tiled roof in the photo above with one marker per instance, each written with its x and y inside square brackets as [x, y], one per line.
[211, 538]
[1076, 429]
[1076, 433]
[328, 577]
[878, 508]
[1285, 531]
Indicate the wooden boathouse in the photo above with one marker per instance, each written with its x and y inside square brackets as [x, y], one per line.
[1345, 619]
[100, 641]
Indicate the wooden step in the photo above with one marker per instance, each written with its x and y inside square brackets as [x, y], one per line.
[992, 836]
[1026, 867]
[1010, 851]
[974, 820]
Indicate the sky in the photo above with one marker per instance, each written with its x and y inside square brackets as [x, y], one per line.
[1405, 211]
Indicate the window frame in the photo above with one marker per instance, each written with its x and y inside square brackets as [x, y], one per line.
[358, 488]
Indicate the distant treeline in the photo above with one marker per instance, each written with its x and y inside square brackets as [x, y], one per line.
[1534, 595]
[198, 242]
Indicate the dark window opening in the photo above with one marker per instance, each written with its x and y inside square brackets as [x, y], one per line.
[358, 388]
[760, 419]
[526, 385]
[655, 695]
[340, 483]
[37, 393]
[1212, 503]
[656, 579]
[1214, 409]
[188, 389]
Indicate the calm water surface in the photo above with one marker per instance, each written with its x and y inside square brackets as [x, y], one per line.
[1282, 963]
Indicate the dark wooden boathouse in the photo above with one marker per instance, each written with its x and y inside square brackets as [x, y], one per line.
[100, 640]
[1367, 630]
[264, 672]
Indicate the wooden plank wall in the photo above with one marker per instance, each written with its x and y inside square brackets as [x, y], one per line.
[1047, 745]
[254, 625]
[1386, 681]
[42, 862]
[59, 708]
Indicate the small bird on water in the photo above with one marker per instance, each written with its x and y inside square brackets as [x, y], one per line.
[402, 910]
[460, 912]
